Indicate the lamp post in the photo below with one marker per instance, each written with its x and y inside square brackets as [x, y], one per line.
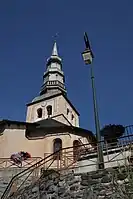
[88, 58]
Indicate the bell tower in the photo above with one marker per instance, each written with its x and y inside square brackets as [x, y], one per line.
[53, 78]
[52, 102]
[52, 99]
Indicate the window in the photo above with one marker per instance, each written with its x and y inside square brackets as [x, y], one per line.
[39, 112]
[57, 145]
[49, 110]
[67, 111]
[76, 149]
[72, 116]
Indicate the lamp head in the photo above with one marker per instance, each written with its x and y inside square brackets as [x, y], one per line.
[87, 56]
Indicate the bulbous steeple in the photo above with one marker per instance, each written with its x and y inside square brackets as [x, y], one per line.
[53, 78]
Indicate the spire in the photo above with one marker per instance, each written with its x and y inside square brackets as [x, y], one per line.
[55, 51]
[53, 78]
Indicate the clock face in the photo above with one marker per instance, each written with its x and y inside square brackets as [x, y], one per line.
[44, 104]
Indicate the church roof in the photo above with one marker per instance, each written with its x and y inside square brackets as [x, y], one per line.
[49, 123]
[45, 127]
[49, 96]
[50, 126]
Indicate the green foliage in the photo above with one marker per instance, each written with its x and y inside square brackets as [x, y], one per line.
[112, 132]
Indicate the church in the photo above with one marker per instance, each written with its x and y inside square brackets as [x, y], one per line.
[52, 121]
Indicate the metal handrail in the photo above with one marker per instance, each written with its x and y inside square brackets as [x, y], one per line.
[29, 169]
[24, 172]
[10, 163]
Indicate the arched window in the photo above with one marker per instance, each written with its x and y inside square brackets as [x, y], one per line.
[49, 110]
[76, 149]
[39, 112]
[57, 145]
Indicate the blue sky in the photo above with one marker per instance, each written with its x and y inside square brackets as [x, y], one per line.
[26, 30]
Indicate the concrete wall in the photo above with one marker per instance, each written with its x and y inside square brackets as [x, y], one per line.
[115, 159]
[14, 140]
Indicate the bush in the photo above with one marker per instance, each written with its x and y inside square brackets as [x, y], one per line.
[112, 132]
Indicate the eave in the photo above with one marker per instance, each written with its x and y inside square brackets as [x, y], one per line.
[52, 96]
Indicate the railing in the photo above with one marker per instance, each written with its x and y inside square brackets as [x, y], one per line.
[8, 169]
[122, 151]
[52, 83]
[8, 163]
[62, 160]
[30, 174]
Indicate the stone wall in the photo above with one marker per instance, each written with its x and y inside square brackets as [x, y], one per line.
[114, 183]
[6, 175]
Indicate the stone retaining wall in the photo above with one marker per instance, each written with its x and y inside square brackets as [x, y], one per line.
[6, 175]
[111, 183]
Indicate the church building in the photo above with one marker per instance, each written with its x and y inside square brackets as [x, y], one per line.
[52, 121]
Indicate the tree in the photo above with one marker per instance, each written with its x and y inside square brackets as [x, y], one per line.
[112, 132]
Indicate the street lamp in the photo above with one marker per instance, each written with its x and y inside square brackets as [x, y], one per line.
[88, 58]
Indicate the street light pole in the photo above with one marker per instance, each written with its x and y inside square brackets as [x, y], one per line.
[88, 57]
[97, 122]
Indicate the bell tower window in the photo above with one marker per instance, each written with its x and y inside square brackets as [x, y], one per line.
[49, 110]
[67, 111]
[39, 112]
[72, 116]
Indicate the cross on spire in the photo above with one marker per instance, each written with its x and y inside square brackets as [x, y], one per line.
[55, 36]
[55, 51]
